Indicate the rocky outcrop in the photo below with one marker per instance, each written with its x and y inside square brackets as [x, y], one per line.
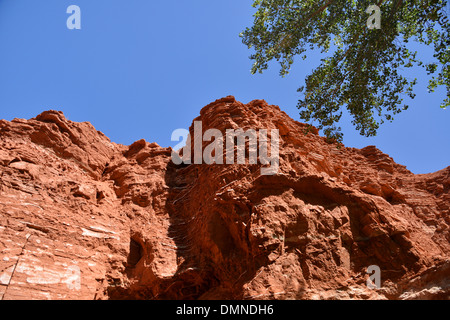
[84, 218]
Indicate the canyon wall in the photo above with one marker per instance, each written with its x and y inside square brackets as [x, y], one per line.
[84, 218]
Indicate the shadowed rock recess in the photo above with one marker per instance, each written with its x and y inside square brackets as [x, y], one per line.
[84, 218]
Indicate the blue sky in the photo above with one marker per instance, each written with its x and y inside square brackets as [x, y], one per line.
[141, 69]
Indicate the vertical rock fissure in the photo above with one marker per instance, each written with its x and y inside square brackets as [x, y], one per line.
[16, 264]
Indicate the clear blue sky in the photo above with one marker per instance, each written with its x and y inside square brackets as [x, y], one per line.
[141, 69]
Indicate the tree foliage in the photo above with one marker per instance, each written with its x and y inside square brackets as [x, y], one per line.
[362, 70]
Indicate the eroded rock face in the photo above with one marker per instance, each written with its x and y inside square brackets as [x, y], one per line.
[84, 218]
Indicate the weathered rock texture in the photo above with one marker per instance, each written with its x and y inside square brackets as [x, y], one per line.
[133, 225]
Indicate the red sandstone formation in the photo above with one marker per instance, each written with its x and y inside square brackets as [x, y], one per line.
[132, 225]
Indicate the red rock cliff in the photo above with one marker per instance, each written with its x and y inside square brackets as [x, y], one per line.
[84, 218]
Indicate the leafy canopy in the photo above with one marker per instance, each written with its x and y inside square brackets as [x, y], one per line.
[362, 73]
